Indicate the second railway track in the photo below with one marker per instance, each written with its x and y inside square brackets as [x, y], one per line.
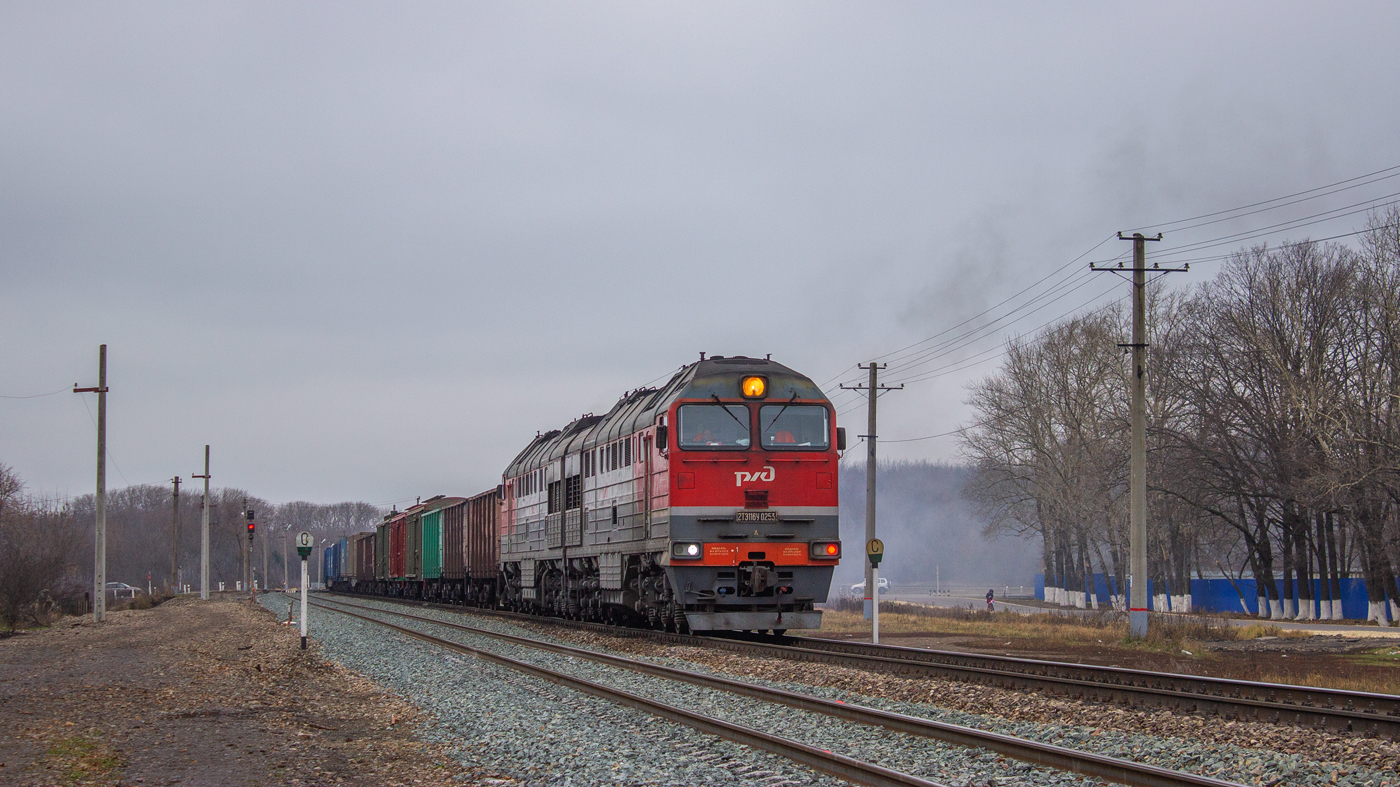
[1085, 763]
[1336, 710]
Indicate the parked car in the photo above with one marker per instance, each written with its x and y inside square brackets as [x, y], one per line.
[122, 590]
[884, 586]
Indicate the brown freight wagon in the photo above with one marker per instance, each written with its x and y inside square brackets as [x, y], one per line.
[453, 573]
[481, 547]
[362, 547]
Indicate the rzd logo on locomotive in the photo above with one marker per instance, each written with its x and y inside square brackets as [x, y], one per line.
[766, 474]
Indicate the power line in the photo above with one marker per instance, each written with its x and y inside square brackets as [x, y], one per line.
[1277, 199]
[36, 396]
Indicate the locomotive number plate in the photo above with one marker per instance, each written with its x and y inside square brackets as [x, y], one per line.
[750, 517]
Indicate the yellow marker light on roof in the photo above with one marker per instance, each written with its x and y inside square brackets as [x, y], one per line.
[754, 387]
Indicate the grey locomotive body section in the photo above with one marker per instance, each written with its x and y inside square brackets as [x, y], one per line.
[618, 517]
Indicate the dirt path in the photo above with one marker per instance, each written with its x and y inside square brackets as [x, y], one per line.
[191, 693]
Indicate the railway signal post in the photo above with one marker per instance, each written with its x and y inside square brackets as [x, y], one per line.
[248, 559]
[875, 550]
[304, 545]
[1137, 476]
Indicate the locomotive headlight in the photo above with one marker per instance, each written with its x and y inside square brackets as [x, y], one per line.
[826, 550]
[686, 550]
[754, 387]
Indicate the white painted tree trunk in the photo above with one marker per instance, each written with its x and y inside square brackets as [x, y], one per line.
[1337, 610]
[1289, 610]
[1275, 609]
[1159, 602]
[1305, 609]
[1375, 610]
[1262, 610]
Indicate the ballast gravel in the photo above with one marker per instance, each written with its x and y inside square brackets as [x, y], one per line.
[538, 733]
[928, 759]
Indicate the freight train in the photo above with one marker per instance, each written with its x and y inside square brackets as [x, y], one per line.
[707, 504]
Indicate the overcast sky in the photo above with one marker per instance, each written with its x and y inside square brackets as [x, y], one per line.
[366, 251]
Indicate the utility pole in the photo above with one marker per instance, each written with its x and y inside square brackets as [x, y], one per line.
[872, 390]
[286, 566]
[1137, 475]
[175, 539]
[99, 541]
[204, 541]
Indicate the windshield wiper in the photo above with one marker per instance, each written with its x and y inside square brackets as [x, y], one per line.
[725, 408]
[780, 411]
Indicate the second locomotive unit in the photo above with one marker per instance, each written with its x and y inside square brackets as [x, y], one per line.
[707, 504]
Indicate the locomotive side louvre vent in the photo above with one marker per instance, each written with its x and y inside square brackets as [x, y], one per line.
[527, 573]
[610, 570]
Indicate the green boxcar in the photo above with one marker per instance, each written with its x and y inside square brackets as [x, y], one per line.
[432, 544]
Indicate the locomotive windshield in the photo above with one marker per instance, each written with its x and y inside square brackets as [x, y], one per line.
[713, 426]
[794, 427]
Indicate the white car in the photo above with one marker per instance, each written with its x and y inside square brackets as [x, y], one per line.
[884, 586]
[122, 590]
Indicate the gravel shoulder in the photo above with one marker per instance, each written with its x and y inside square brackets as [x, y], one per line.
[1308, 756]
[200, 693]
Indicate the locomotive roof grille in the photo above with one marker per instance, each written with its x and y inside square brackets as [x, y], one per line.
[638, 409]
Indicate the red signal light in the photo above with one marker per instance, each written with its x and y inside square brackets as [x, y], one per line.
[826, 550]
[832, 549]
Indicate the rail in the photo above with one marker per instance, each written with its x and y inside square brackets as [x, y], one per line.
[1085, 763]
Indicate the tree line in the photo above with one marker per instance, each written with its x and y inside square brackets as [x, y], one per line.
[1273, 407]
[46, 546]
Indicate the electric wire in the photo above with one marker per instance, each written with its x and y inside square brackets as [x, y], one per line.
[1277, 199]
[37, 396]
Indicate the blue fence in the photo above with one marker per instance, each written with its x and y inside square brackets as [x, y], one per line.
[1224, 595]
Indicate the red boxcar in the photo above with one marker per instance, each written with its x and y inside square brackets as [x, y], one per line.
[398, 534]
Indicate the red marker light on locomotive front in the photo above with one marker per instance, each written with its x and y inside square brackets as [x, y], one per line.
[833, 550]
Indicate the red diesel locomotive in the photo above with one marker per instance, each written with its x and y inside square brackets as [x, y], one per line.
[707, 504]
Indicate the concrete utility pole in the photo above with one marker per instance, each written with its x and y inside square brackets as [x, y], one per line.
[175, 539]
[99, 541]
[204, 540]
[872, 390]
[1137, 474]
[286, 566]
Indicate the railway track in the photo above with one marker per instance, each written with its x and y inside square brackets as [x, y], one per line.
[1084, 763]
[1336, 710]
